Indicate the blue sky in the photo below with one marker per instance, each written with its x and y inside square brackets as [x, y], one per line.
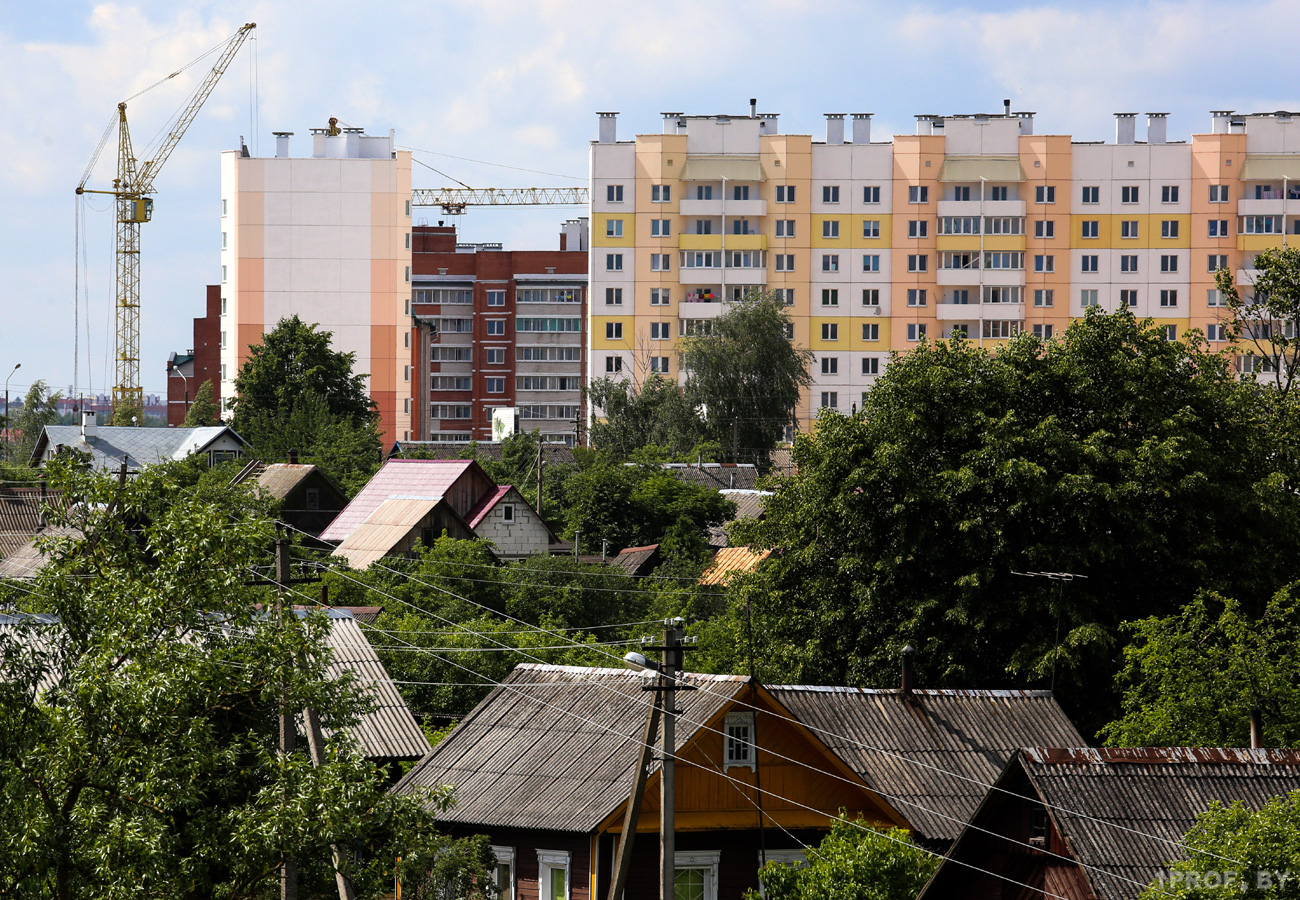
[518, 83]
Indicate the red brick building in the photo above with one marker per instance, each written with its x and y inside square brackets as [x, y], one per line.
[187, 371]
[494, 328]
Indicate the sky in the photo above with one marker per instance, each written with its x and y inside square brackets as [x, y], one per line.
[487, 90]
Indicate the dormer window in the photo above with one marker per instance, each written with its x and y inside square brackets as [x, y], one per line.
[738, 730]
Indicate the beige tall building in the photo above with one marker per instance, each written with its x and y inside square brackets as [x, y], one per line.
[328, 238]
[975, 224]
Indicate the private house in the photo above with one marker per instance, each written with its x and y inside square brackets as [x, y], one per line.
[749, 505]
[1098, 824]
[412, 501]
[107, 446]
[309, 499]
[730, 561]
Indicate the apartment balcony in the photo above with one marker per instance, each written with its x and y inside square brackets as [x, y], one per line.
[973, 277]
[718, 241]
[752, 277]
[994, 208]
[957, 312]
[735, 208]
[958, 277]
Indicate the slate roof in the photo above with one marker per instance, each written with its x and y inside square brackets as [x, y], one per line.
[383, 529]
[554, 746]
[108, 445]
[749, 505]
[20, 517]
[636, 560]
[1157, 791]
[27, 560]
[719, 476]
[397, 477]
[907, 750]
[280, 479]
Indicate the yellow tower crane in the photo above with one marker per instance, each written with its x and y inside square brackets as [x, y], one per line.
[131, 190]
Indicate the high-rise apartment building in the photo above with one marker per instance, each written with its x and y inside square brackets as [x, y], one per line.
[494, 328]
[327, 238]
[974, 225]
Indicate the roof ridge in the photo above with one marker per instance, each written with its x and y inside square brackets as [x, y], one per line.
[1161, 756]
[924, 692]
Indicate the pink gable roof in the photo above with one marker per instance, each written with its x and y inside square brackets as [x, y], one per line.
[398, 478]
[484, 506]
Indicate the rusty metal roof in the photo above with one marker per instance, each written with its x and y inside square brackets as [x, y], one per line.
[729, 560]
[1155, 793]
[932, 758]
[554, 747]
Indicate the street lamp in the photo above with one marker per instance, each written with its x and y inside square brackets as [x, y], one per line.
[16, 367]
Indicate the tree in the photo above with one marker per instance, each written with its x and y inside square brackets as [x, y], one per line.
[128, 414]
[139, 702]
[745, 373]
[1110, 452]
[1194, 679]
[635, 416]
[203, 409]
[853, 862]
[1267, 321]
[1235, 852]
[40, 408]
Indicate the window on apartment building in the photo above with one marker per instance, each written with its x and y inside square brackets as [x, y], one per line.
[998, 192]
[1128, 229]
[406, 340]
[408, 240]
[785, 193]
[1044, 228]
[1169, 193]
[916, 297]
[1088, 297]
[870, 331]
[1216, 332]
[915, 331]
[659, 262]
[223, 241]
[1214, 297]
[830, 297]
[613, 364]
[1089, 228]
[614, 296]
[830, 229]
[785, 295]
[614, 193]
[496, 298]
[740, 192]
[788, 328]
[223, 371]
[830, 262]
[496, 385]
[830, 399]
[496, 327]
[1044, 297]
[918, 262]
[1128, 297]
[223, 306]
[613, 331]
[1044, 193]
[1091, 193]
[1169, 263]
[1218, 193]
[785, 228]
[1218, 228]
[408, 274]
[871, 262]
[917, 228]
[830, 331]
[870, 366]
[1170, 332]
[1169, 228]
[1044, 262]
[1128, 193]
[1216, 261]
[961, 192]
[830, 365]
[223, 274]
[830, 193]
[224, 207]
[613, 262]
[704, 192]
[785, 262]
[658, 296]
[871, 297]
[223, 340]
[871, 194]
[871, 228]
[1088, 263]
[704, 226]
[1128, 262]
[659, 364]
[659, 331]
[553, 874]
[918, 193]
[408, 209]
[1168, 298]
[999, 328]
[661, 193]
[496, 356]
[661, 228]
[1043, 332]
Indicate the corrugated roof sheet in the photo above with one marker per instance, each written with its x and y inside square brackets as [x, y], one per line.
[383, 529]
[636, 560]
[554, 747]
[717, 168]
[108, 445]
[749, 505]
[20, 517]
[933, 758]
[730, 560]
[989, 168]
[28, 560]
[719, 476]
[485, 504]
[397, 477]
[1155, 791]
[279, 479]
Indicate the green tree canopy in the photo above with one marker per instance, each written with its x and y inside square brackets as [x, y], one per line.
[203, 408]
[653, 412]
[1266, 319]
[1193, 679]
[1110, 452]
[40, 408]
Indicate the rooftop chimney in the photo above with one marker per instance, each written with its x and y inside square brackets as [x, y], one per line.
[1156, 130]
[1256, 729]
[753, 107]
[862, 128]
[1125, 128]
[293, 457]
[907, 672]
[282, 143]
[835, 128]
[672, 122]
[1006, 107]
[608, 127]
[88, 420]
[1219, 119]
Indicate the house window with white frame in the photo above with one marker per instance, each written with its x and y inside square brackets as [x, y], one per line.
[696, 875]
[553, 874]
[508, 513]
[504, 874]
[738, 727]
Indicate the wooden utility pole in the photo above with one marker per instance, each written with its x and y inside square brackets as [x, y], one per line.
[288, 733]
[316, 743]
[632, 814]
[670, 667]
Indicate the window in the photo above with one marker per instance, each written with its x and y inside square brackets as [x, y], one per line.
[223, 306]
[704, 226]
[1168, 263]
[613, 331]
[504, 875]
[1214, 297]
[1218, 193]
[1216, 261]
[871, 365]
[1128, 193]
[496, 327]
[1261, 225]
[1004, 260]
[496, 298]
[871, 194]
[1001, 294]
[1168, 298]
[871, 297]
[918, 193]
[547, 383]
[1089, 228]
[508, 516]
[1044, 193]
[1128, 262]
[870, 331]
[1169, 193]
[1169, 228]
[915, 331]
[999, 192]
[614, 228]
[614, 296]
[312, 498]
[959, 225]
[445, 296]
[917, 262]
[659, 331]
[1044, 263]
[659, 364]
[1216, 332]
[1044, 228]
[788, 328]
[830, 262]
[1091, 193]
[1044, 297]
[994, 328]
[785, 295]
[1006, 225]
[740, 192]
[1128, 298]
[830, 331]
[916, 297]
[1088, 298]
[661, 228]
[549, 354]
[661, 193]
[785, 228]
[614, 193]
[831, 193]
[223, 274]
[830, 229]
[223, 340]
[613, 262]
[496, 385]
[1170, 332]
[960, 297]
[830, 297]
[1218, 228]
[451, 383]
[785, 193]
[223, 241]
[659, 262]
[553, 874]
[224, 207]
[496, 356]
[830, 365]
[613, 364]
[917, 228]
[961, 192]
[785, 262]
[658, 296]
[871, 262]
[1088, 264]
[704, 192]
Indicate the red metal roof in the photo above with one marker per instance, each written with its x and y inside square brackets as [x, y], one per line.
[484, 506]
[398, 478]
